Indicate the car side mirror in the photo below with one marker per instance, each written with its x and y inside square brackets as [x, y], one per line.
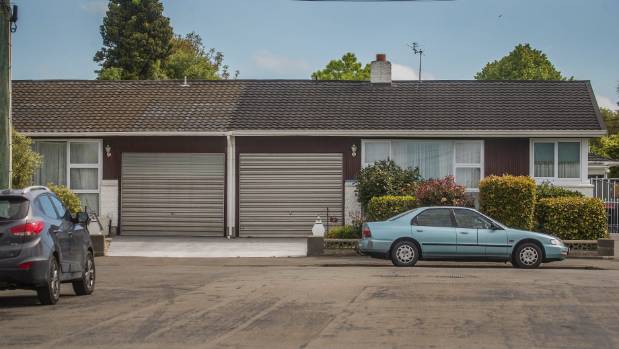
[82, 218]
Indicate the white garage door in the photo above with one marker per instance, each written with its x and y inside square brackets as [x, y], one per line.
[172, 194]
[281, 194]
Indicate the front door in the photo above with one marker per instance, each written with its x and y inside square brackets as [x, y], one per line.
[491, 242]
[435, 231]
[468, 224]
[45, 208]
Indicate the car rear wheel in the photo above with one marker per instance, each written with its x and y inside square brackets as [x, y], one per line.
[86, 284]
[528, 256]
[50, 293]
[404, 254]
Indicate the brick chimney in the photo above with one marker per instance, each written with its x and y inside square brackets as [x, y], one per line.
[380, 71]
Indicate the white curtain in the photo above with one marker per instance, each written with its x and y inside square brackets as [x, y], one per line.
[84, 153]
[434, 159]
[544, 158]
[376, 151]
[90, 201]
[469, 177]
[85, 178]
[569, 160]
[468, 153]
[54, 166]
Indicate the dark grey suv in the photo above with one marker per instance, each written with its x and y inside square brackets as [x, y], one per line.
[42, 245]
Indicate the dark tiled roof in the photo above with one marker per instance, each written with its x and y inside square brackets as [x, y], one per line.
[127, 106]
[598, 158]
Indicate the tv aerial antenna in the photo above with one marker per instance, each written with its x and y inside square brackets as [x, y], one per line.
[416, 48]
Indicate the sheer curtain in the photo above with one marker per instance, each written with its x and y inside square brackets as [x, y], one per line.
[54, 165]
[544, 158]
[434, 159]
[375, 151]
[569, 160]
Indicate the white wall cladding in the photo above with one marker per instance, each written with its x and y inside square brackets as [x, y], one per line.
[352, 207]
[109, 204]
[281, 194]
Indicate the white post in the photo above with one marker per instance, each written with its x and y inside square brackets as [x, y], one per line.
[231, 186]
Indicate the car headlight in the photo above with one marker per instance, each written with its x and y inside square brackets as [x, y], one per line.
[556, 242]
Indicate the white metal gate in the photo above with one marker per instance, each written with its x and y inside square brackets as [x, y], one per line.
[172, 194]
[607, 189]
[281, 194]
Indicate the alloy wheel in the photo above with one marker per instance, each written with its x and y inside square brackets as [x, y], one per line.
[529, 256]
[405, 254]
[54, 282]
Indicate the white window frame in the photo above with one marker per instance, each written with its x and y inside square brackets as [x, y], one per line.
[454, 143]
[584, 146]
[98, 165]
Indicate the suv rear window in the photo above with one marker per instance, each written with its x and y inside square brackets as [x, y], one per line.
[12, 208]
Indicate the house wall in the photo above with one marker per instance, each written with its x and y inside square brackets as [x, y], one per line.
[506, 156]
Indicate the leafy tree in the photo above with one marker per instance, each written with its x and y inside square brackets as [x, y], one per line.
[136, 40]
[523, 63]
[25, 160]
[346, 68]
[190, 59]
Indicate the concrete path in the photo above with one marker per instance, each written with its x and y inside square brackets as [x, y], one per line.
[203, 247]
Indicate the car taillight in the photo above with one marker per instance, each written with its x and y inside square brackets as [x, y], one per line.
[25, 266]
[366, 232]
[28, 229]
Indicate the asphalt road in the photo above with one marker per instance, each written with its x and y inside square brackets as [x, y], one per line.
[323, 303]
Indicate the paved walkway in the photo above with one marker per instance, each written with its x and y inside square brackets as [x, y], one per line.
[203, 247]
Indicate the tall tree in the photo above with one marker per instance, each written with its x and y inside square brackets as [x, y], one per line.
[189, 58]
[136, 40]
[346, 68]
[523, 63]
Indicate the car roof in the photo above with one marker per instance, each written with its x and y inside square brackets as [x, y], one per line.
[28, 193]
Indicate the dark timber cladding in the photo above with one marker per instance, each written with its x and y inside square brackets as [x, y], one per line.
[506, 156]
[163, 144]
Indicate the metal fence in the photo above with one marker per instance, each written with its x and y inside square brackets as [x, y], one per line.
[607, 189]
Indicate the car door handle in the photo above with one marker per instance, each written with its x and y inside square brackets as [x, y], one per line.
[464, 232]
[420, 230]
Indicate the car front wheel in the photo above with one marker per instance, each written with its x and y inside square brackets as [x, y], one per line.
[528, 256]
[86, 284]
[404, 254]
[50, 293]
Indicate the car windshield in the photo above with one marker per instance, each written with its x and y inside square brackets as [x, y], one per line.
[400, 215]
[12, 208]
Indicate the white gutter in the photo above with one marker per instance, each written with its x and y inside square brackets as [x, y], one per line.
[340, 133]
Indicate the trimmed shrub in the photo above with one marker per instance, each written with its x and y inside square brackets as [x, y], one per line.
[344, 232]
[572, 218]
[25, 160]
[381, 208]
[547, 190]
[385, 178]
[440, 192]
[509, 199]
[70, 200]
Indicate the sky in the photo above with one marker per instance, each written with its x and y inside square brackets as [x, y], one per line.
[287, 39]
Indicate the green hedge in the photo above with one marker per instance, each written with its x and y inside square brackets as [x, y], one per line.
[572, 218]
[69, 199]
[547, 190]
[383, 207]
[344, 232]
[509, 199]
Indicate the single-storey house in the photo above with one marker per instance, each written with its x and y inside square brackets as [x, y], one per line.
[599, 166]
[265, 157]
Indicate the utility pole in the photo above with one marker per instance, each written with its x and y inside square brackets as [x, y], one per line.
[8, 18]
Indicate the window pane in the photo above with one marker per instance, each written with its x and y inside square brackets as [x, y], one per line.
[435, 218]
[90, 201]
[468, 177]
[544, 158]
[85, 153]
[434, 159]
[84, 178]
[376, 152]
[468, 153]
[471, 220]
[569, 160]
[54, 163]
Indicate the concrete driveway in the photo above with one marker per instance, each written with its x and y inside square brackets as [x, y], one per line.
[323, 303]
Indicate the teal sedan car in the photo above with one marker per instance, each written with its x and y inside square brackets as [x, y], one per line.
[456, 233]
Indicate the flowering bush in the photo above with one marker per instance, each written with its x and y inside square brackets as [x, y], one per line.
[440, 192]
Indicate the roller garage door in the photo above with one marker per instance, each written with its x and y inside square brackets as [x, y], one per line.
[281, 194]
[172, 194]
